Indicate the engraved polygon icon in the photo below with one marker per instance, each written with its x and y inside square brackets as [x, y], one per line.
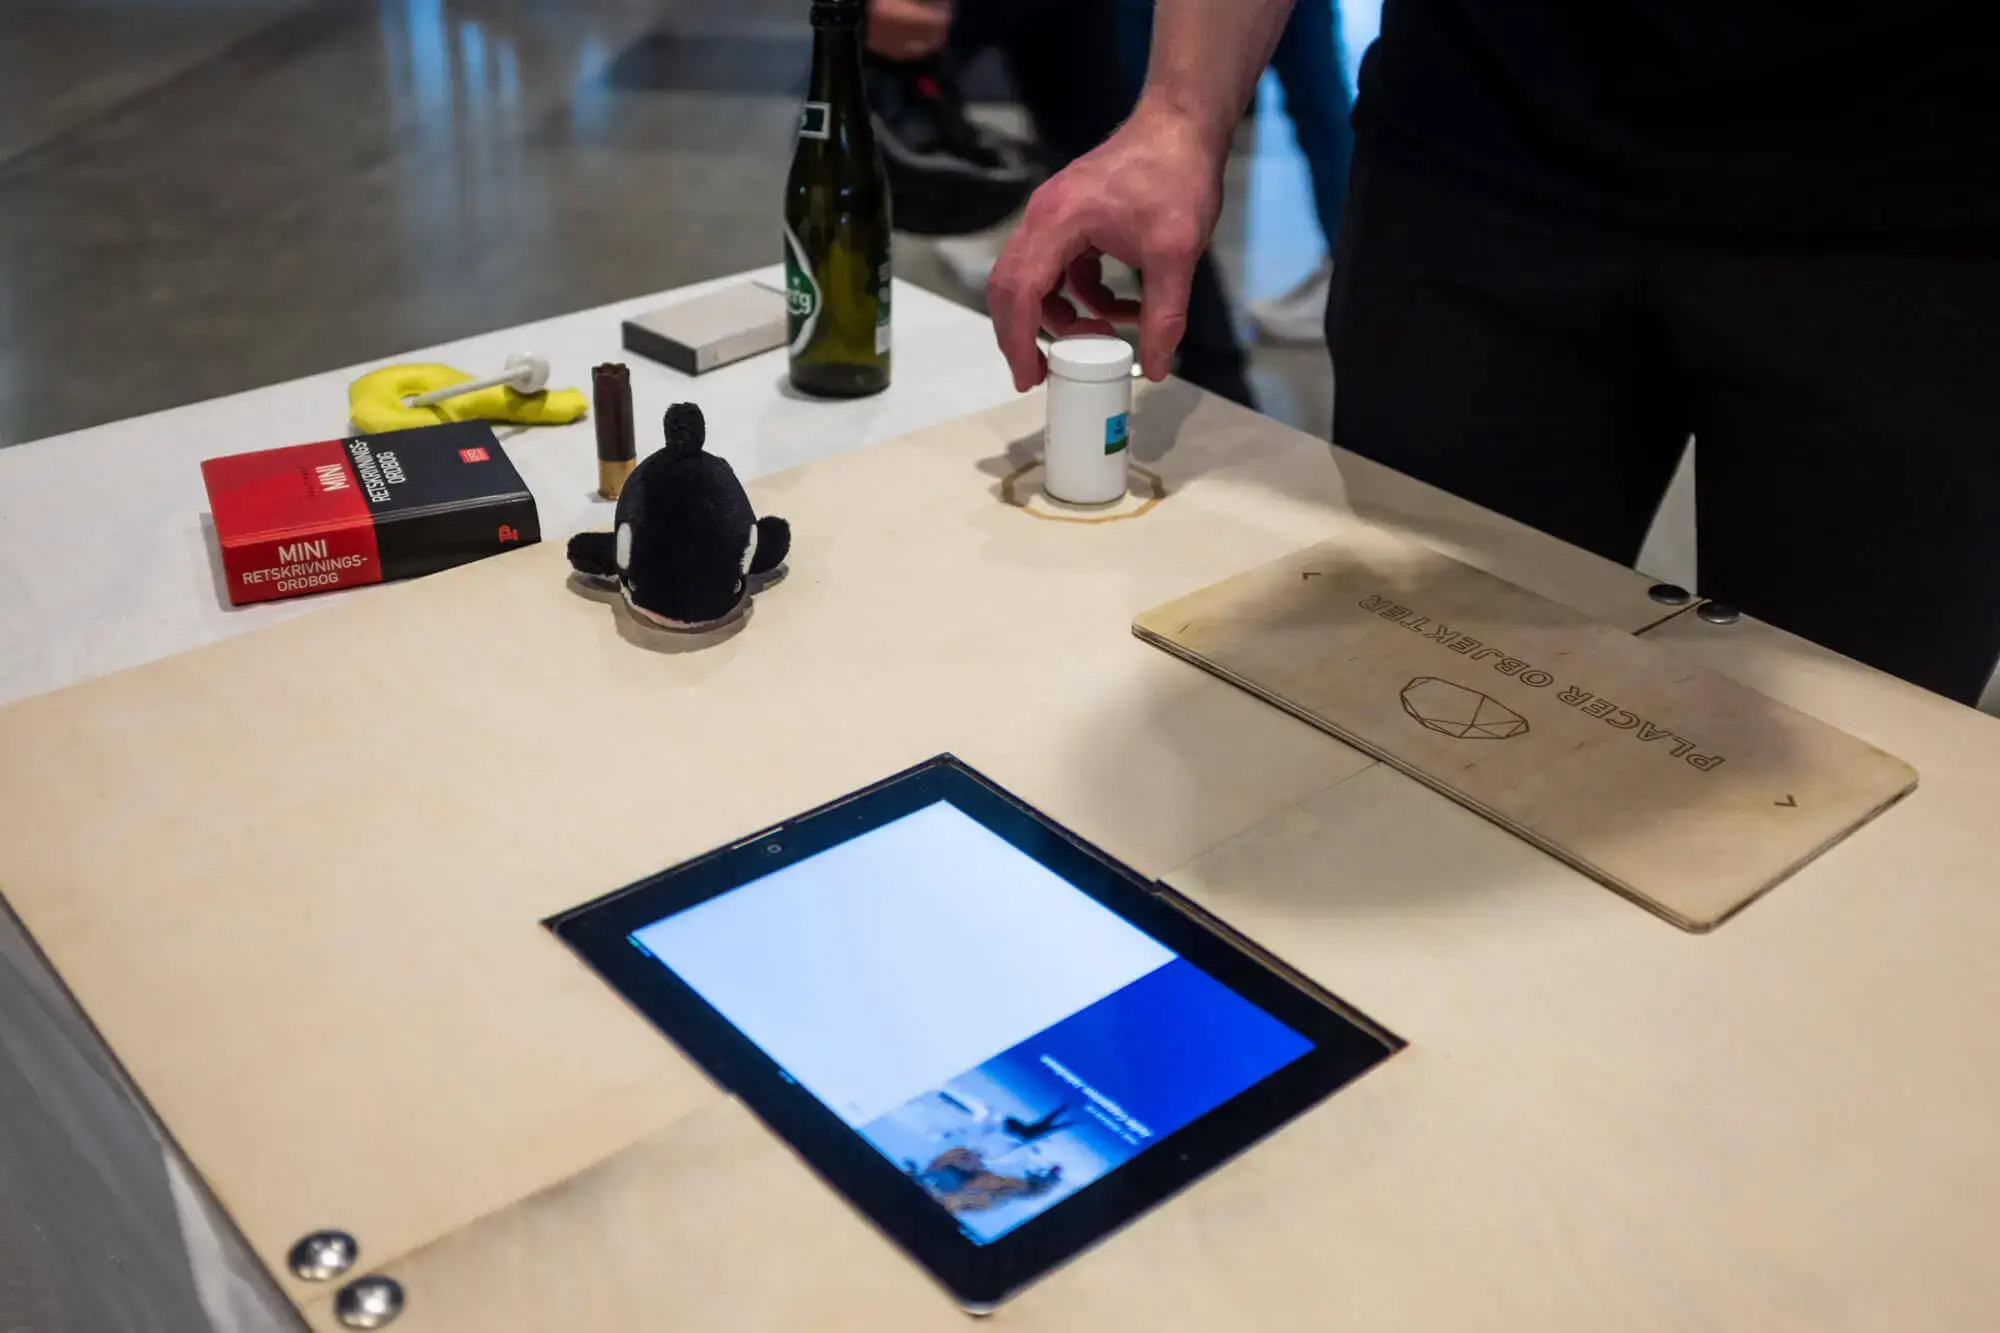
[1453, 710]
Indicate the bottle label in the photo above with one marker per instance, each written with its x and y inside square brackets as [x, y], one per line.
[1116, 434]
[815, 120]
[882, 308]
[802, 294]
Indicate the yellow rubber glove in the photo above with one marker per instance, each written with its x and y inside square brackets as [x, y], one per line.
[375, 401]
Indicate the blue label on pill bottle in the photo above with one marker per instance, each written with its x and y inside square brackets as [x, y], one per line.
[1114, 433]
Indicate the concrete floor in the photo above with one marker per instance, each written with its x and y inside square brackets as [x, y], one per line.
[252, 190]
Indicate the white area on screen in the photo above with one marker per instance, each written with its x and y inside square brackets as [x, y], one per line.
[883, 967]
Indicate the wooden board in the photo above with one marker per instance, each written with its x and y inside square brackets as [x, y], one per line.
[1675, 786]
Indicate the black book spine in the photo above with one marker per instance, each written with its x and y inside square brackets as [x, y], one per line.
[423, 542]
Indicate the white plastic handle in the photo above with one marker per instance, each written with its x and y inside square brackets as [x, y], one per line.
[525, 373]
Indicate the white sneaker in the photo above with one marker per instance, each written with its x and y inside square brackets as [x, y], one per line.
[1298, 317]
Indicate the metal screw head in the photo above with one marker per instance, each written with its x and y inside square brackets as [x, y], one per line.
[369, 1302]
[1670, 594]
[323, 1256]
[1718, 613]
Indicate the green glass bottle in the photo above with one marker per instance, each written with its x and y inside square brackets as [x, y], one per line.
[837, 222]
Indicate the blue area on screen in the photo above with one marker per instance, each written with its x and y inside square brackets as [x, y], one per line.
[1003, 1142]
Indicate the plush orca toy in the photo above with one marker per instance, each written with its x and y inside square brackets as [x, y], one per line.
[688, 552]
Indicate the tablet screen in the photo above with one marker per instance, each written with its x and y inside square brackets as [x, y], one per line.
[998, 1035]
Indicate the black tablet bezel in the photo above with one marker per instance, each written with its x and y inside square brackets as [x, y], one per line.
[1345, 1046]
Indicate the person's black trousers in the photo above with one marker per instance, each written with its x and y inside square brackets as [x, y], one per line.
[1844, 400]
[1067, 59]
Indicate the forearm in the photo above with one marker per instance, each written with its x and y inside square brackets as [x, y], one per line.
[1207, 58]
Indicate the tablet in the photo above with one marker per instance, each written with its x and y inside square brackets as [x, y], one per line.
[997, 1042]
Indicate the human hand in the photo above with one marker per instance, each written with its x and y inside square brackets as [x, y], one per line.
[908, 29]
[1148, 196]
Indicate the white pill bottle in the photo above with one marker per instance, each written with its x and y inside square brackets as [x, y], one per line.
[1090, 416]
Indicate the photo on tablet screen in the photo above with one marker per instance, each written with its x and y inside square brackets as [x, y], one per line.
[1001, 1037]
[1000, 1143]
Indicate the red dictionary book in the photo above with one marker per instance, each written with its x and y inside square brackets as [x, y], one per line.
[367, 509]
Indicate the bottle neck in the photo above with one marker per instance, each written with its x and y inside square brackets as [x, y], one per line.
[836, 66]
[849, 15]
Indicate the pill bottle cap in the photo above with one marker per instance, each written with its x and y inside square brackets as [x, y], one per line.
[1091, 359]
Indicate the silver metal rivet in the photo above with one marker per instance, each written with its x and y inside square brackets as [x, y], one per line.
[369, 1302]
[1672, 594]
[323, 1256]
[1718, 613]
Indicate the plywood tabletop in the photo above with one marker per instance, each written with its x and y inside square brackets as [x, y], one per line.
[295, 878]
